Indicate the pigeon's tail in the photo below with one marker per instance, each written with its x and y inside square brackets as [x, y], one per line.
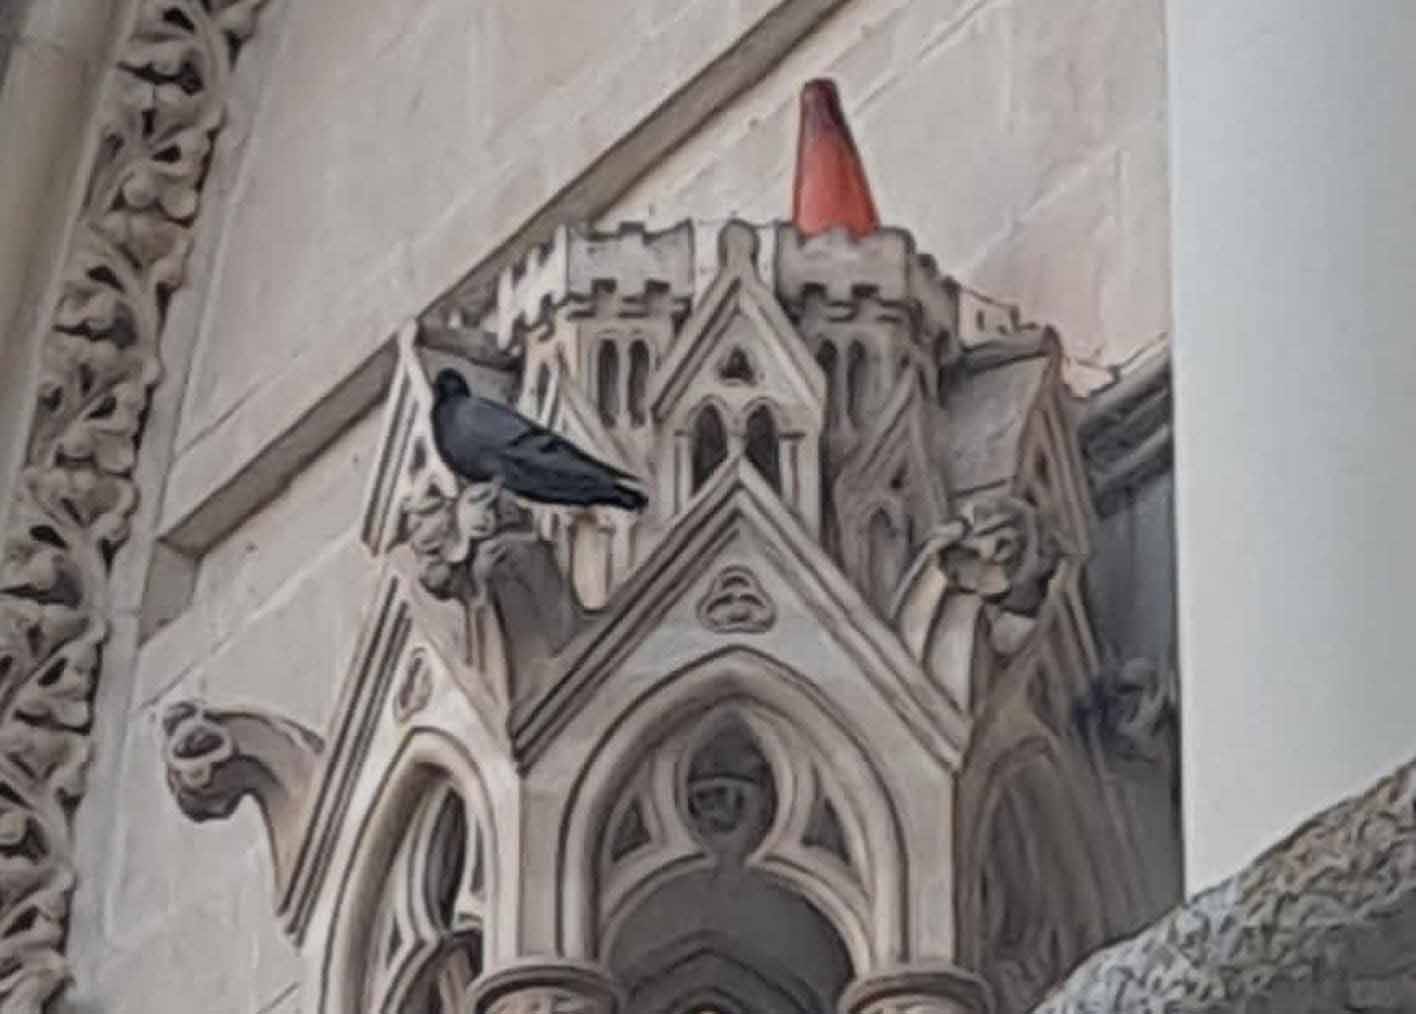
[628, 497]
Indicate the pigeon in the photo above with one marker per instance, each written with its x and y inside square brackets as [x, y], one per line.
[484, 441]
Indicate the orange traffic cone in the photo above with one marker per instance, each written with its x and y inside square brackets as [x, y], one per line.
[830, 188]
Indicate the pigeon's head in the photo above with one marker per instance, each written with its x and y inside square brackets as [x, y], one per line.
[449, 384]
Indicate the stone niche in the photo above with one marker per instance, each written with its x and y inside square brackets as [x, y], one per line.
[826, 727]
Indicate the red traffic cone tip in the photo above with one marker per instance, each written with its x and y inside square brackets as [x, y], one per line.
[830, 190]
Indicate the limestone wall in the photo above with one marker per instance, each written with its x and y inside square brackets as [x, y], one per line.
[373, 153]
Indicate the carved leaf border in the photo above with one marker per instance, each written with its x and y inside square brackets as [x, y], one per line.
[76, 493]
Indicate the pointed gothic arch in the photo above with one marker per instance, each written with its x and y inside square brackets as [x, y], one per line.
[1031, 892]
[607, 381]
[709, 444]
[859, 383]
[413, 883]
[763, 441]
[639, 367]
[801, 734]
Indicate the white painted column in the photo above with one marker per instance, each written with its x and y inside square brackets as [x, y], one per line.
[1293, 174]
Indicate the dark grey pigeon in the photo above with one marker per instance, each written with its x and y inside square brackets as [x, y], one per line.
[484, 441]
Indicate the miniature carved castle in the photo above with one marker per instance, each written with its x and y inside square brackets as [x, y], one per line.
[802, 737]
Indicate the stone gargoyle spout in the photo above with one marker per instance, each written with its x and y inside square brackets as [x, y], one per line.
[215, 758]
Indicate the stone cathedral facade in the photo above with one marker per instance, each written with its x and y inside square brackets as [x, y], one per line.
[826, 728]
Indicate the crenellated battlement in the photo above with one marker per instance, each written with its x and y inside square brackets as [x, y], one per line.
[578, 263]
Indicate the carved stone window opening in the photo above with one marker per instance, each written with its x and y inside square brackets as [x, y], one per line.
[826, 358]
[543, 385]
[857, 384]
[639, 367]
[426, 936]
[764, 445]
[887, 550]
[710, 445]
[608, 381]
[737, 368]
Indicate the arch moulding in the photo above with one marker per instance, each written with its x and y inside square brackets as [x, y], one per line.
[763, 692]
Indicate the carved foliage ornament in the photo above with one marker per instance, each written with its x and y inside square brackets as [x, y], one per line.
[75, 493]
[445, 532]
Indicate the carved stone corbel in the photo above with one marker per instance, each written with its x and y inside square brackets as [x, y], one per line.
[479, 548]
[217, 758]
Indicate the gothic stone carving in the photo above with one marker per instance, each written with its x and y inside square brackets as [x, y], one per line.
[469, 542]
[1000, 533]
[1004, 550]
[930, 990]
[414, 689]
[1324, 921]
[216, 758]
[76, 492]
[546, 988]
[510, 570]
[736, 603]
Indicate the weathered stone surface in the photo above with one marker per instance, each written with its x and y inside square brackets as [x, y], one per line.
[1323, 922]
[357, 190]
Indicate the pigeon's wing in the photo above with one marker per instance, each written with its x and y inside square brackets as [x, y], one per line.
[494, 424]
[514, 436]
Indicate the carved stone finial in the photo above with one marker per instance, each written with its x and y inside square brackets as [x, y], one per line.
[216, 758]
[737, 245]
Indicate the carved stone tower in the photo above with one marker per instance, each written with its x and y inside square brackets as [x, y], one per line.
[802, 737]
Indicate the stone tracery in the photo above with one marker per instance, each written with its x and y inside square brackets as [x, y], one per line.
[864, 462]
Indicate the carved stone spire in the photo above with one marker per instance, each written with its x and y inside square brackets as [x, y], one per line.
[830, 189]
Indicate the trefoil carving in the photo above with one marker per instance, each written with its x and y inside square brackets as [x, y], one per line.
[736, 603]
